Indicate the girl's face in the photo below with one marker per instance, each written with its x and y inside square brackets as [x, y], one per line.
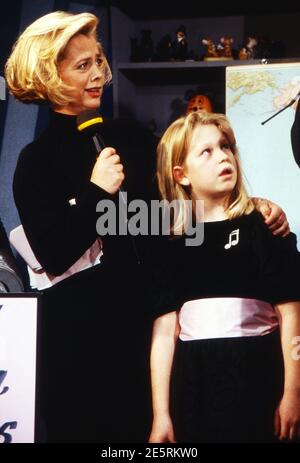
[82, 69]
[210, 166]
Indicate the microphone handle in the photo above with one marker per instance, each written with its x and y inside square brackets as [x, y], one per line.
[97, 140]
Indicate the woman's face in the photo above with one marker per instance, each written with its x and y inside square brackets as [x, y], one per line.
[82, 68]
[210, 166]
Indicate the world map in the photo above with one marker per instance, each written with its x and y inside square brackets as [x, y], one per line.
[253, 94]
[245, 83]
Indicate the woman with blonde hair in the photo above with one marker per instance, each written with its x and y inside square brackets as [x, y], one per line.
[223, 361]
[93, 374]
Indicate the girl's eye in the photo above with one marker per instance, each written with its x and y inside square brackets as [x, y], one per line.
[226, 146]
[204, 152]
[99, 62]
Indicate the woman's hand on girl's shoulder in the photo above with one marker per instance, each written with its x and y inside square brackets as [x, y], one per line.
[275, 217]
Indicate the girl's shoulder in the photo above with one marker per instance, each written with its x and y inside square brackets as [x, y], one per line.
[253, 219]
[257, 221]
[281, 250]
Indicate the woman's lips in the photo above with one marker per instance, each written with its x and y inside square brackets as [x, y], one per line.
[94, 92]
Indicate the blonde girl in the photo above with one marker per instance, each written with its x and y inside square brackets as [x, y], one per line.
[222, 362]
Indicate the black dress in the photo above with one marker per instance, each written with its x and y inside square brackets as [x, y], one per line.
[226, 388]
[94, 325]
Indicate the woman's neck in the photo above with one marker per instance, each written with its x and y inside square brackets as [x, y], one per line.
[65, 111]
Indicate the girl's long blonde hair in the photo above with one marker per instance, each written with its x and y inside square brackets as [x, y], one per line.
[31, 71]
[172, 151]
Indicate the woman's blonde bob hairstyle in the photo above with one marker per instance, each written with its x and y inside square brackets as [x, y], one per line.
[32, 69]
[173, 150]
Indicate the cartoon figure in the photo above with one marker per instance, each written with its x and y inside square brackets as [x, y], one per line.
[211, 52]
[225, 47]
[249, 51]
[180, 50]
[199, 103]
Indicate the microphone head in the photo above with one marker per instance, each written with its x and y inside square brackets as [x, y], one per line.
[88, 119]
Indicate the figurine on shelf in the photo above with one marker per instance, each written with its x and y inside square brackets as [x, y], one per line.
[135, 52]
[143, 51]
[249, 50]
[179, 46]
[225, 48]
[211, 52]
[262, 47]
[146, 48]
[243, 53]
[164, 49]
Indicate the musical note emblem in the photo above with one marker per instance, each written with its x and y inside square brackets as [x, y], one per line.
[233, 239]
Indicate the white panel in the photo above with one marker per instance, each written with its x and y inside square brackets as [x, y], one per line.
[18, 338]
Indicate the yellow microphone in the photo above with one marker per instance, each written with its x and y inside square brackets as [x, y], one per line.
[88, 121]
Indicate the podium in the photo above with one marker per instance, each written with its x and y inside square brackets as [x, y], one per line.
[18, 367]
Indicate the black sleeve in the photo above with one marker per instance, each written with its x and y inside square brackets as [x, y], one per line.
[136, 146]
[166, 292]
[279, 264]
[288, 287]
[58, 233]
[295, 136]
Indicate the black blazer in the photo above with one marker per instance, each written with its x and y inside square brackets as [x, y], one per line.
[295, 136]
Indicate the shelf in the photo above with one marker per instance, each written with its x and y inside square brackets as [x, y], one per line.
[183, 72]
[177, 64]
[180, 65]
[173, 73]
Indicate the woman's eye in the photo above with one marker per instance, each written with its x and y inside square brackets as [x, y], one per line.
[99, 62]
[82, 66]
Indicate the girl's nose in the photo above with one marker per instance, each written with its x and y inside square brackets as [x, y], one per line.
[222, 155]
